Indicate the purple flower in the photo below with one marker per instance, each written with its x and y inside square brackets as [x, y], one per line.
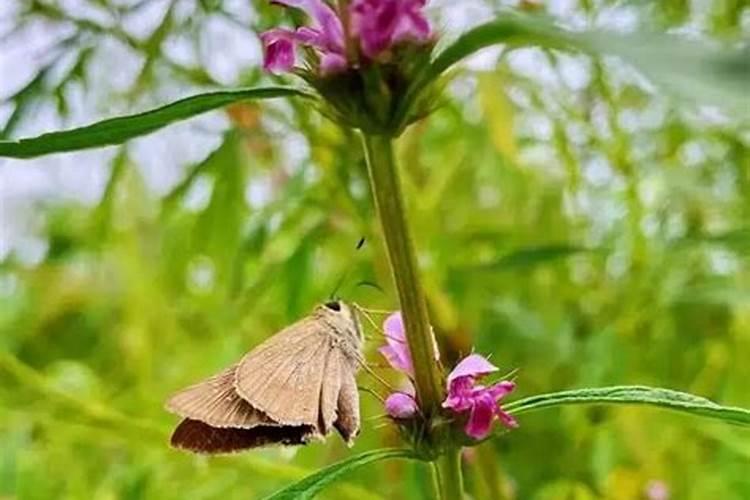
[401, 405]
[381, 24]
[376, 24]
[464, 395]
[397, 350]
[326, 36]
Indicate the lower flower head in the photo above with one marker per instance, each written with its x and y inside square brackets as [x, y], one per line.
[482, 402]
[464, 394]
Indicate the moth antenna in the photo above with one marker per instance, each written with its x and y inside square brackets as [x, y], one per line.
[348, 269]
[372, 284]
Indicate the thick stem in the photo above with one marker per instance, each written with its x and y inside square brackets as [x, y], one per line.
[386, 190]
[449, 475]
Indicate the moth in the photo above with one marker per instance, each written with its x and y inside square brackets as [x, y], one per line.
[293, 388]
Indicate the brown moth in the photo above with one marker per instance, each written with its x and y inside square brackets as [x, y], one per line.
[293, 388]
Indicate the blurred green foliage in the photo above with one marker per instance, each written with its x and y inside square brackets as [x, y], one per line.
[587, 233]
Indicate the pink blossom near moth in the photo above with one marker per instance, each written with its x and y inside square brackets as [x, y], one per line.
[396, 350]
[373, 27]
[401, 405]
[465, 395]
[482, 402]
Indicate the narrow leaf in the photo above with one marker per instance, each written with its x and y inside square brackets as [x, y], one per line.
[529, 257]
[639, 395]
[120, 129]
[691, 69]
[313, 484]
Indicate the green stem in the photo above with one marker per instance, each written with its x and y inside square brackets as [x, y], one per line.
[449, 476]
[386, 190]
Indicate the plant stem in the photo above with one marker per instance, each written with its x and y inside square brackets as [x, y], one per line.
[449, 475]
[386, 190]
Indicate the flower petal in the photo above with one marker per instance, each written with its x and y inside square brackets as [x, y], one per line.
[379, 24]
[473, 365]
[460, 394]
[374, 22]
[393, 326]
[412, 24]
[332, 63]
[278, 49]
[480, 419]
[398, 357]
[501, 389]
[506, 418]
[401, 405]
[324, 17]
[397, 351]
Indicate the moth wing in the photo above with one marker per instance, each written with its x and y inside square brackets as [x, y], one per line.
[283, 376]
[347, 421]
[199, 437]
[329, 393]
[215, 402]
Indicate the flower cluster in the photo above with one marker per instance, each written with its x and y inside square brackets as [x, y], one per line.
[465, 395]
[356, 31]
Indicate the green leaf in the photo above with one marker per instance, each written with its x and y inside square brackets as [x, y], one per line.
[639, 395]
[694, 70]
[313, 484]
[525, 258]
[120, 129]
[513, 29]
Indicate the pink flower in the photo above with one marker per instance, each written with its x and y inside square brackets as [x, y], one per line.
[401, 405]
[397, 350]
[378, 25]
[464, 395]
[326, 36]
[381, 24]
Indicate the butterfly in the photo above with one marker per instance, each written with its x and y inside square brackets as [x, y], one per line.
[293, 388]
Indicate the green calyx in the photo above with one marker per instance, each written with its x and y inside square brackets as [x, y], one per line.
[372, 97]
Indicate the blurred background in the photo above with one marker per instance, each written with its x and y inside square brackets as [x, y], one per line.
[571, 219]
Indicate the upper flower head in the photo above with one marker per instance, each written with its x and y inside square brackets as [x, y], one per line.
[381, 24]
[375, 26]
[465, 395]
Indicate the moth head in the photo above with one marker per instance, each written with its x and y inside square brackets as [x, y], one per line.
[340, 314]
